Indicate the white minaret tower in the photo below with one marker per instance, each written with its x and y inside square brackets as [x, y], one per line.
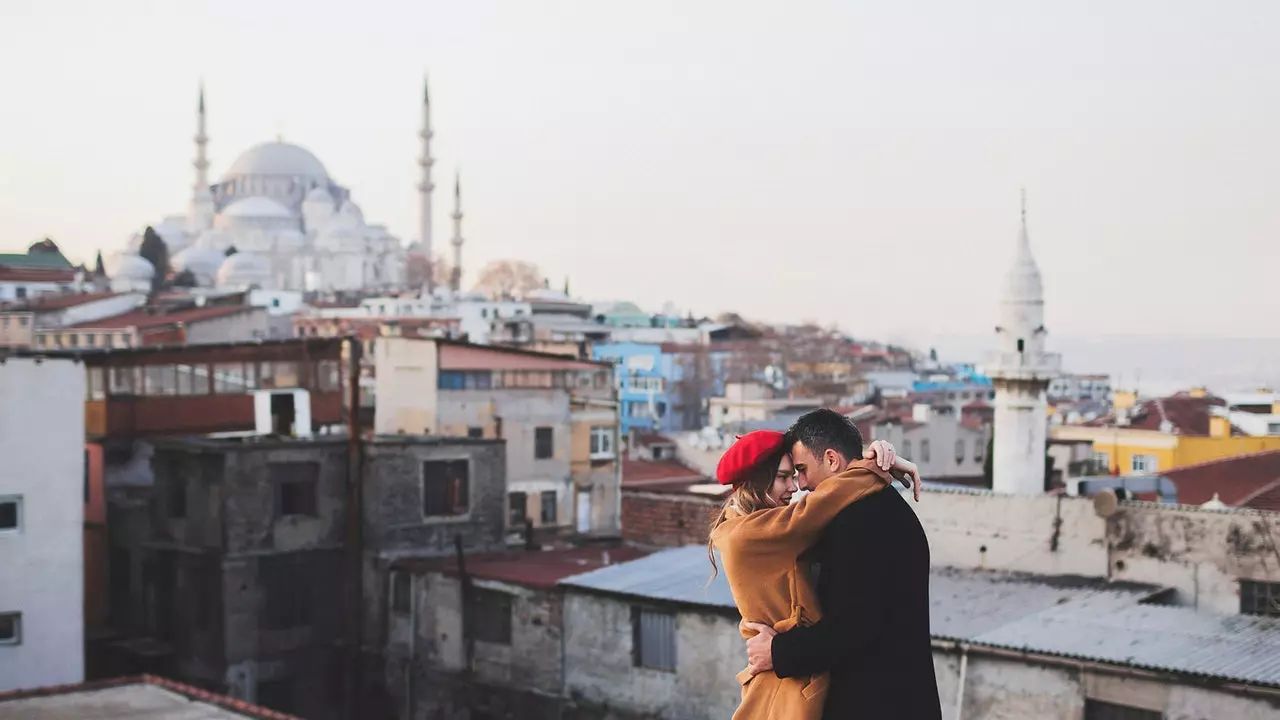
[1021, 371]
[200, 215]
[425, 187]
[455, 279]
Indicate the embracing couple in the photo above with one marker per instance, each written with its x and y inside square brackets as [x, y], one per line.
[852, 642]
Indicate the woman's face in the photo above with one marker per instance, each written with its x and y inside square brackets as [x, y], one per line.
[784, 482]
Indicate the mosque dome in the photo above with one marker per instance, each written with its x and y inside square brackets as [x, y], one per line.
[319, 194]
[352, 211]
[244, 269]
[256, 207]
[278, 158]
[173, 230]
[340, 238]
[290, 240]
[203, 262]
[128, 266]
[214, 238]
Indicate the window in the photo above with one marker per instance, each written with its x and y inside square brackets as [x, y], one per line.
[192, 380]
[20, 292]
[328, 378]
[228, 378]
[459, 380]
[22, 320]
[1259, 598]
[906, 449]
[475, 432]
[653, 639]
[491, 616]
[543, 443]
[924, 450]
[517, 508]
[276, 694]
[1143, 463]
[289, 585]
[10, 628]
[159, 380]
[401, 591]
[601, 443]
[444, 487]
[549, 507]
[1273, 428]
[10, 514]
[959, 451]
[979, 450]
[296, 486]
[177, 498]
[1098, 710]
[1102, 462]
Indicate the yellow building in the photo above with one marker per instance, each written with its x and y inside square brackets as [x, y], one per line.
[1151, 436]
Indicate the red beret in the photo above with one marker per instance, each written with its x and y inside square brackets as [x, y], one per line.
[746, 453]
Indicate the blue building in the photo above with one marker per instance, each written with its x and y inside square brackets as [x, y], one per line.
[647, 377]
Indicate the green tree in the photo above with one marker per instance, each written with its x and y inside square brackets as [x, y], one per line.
[154, 251]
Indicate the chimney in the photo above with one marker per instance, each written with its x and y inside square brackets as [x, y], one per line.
[1219, 427]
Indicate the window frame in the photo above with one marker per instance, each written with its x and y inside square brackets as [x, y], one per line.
[400, 592]
[500, 607]
[600, 445]
[541, 451]
[287, 474]
[16, 638]
[462, 505]
[639, 656]
[17, 515]
[1256, 594]
[554, 506]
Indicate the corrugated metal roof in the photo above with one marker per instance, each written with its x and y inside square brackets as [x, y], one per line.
[1070, 616]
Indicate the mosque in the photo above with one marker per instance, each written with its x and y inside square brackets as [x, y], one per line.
[277, 220]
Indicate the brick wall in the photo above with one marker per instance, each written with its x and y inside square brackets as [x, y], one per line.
[666, 520]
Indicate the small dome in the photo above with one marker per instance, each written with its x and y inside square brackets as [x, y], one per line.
[127, 266]
[203, 262]
[173, 230]
[319, 194]
[339, 238]
[352, 210]
[278, 158]
[256, 207]
[243, 270]
[214, 238]
[290, 240]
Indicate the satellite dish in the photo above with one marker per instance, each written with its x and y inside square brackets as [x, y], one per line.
[1105, 503]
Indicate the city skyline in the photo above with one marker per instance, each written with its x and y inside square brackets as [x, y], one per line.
[729, 159]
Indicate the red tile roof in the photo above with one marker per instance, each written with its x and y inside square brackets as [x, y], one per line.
[652, 472]
[537, 569]
[462, 356]
[1241, 481]
[149, 317]
[1186, 414]
[15, 274]
[61, 301]
[231, 704]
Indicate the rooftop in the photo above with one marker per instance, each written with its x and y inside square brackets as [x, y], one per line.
[137, 698]
[538, 569]
[1242, 481]
[61, 301]
[1068, 616]
[465, 356]
[1185, 414]
[639, 473]
[151, 317]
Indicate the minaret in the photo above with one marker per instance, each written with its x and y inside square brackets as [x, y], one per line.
[455, 279]
[1021, 371]
[425, 187]
[200, 216]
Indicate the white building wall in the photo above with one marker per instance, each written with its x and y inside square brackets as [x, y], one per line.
[42, 563]
[241, 327]
[407, 387]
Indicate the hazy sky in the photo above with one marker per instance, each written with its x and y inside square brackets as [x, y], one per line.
[852, 161]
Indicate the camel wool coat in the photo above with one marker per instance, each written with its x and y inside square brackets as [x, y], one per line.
[761, 553]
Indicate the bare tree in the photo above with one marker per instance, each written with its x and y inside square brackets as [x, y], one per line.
[509, 279]
[694, 386]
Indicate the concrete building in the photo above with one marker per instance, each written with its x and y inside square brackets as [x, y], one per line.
[1093, 386]
[557, 415]
[240, 565]
[754, 405]
[1021, 371]
[160, 326]
[651, 638]
[20, 321]
[645, 376]
[483, 636]
[1160, 434]
[945, 447]
[41, 271]
[42, 485]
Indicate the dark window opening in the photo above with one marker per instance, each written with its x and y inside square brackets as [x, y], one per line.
[517, 508]
[177, 497]
[445, 487]
[1260, 598]
[1098, 710]
[543, 443]
[276, 694]
[401, 585]
[283, 414]
[549, 507]
[10, 628]
[475, 432]
[1021, 344]
[296, 487]
[491, 616]
[289, 591]
[653, 639]
[9, 514]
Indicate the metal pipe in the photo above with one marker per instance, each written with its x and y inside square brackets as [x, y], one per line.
[964, 668]
[354, 538]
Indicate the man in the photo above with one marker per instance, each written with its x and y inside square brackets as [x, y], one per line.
[873, 585]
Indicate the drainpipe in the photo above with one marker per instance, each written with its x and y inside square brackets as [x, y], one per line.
[964, 668]
[353, 539]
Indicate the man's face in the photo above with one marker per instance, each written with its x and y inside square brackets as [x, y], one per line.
[812, 469]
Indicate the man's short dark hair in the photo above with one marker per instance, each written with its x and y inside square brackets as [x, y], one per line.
[823, 430]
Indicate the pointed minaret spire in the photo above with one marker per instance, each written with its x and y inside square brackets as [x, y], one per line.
[455, 280]
[425, 161]
[201, 162]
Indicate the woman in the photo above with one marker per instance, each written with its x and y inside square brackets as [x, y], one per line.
[761, 536]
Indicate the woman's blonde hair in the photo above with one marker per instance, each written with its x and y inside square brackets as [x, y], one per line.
[750, 496]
